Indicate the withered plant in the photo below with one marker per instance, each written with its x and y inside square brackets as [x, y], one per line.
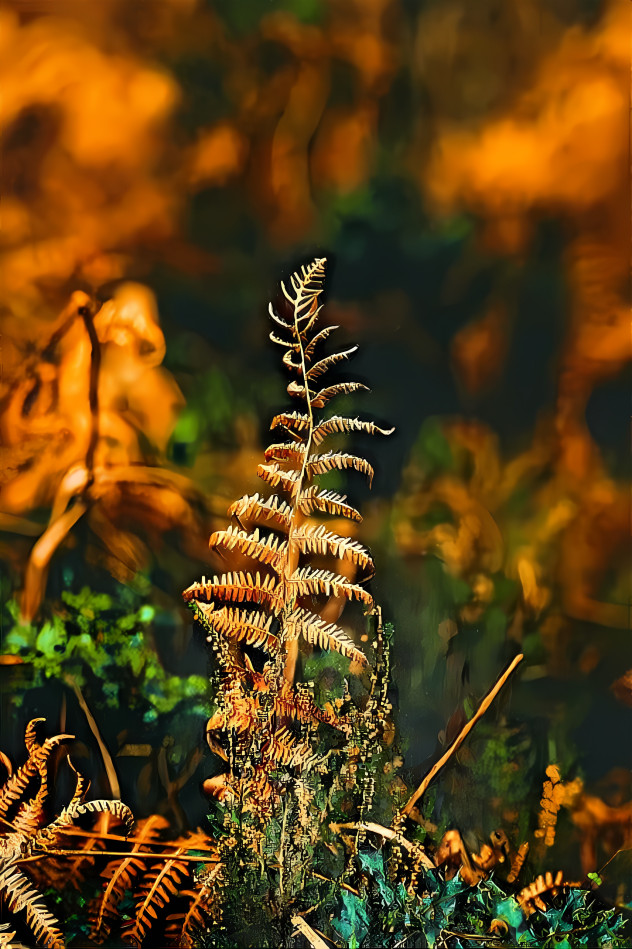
[291, 575]
[27, 838]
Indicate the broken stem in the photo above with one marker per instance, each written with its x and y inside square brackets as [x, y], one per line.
[458, 741]
[94, 728]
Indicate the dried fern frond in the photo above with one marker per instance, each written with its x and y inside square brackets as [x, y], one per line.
[30, 838]
[275, 604]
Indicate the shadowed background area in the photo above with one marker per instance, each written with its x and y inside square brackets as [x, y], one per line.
[464, 168]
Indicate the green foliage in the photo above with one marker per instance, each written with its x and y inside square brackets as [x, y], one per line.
[456, 915]
[92, 641]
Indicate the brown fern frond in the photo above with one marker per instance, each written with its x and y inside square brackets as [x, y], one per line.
[275, 476]
[21, 896]
[323, 365]
[517, 862]
[249, 627]
[333, 460]
[161, 884]
[255, 706]
[120, 876]
[320, 337]
[252, 507]
[286, 451]
[237, 588]
[324, 635]
[307, 581]
[530, 898]
[295, 422]
[282, 342]
[268, 550]
[277, 319]
[17, 784]
[327, 502]
[284, 749]
[321, 398]
[318, 540]
[340, 425]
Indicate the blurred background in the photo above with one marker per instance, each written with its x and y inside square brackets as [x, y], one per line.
[464, 168]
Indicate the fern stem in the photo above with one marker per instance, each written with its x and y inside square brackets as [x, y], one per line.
[94, 728]
[458, 741]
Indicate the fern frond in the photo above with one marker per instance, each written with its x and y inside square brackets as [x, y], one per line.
[284, 749]
[296, 422]
[274, 476]
[249, 627]
[17, 784]
[277, 319]
[19, 895]
[286, 451]
[307, 581]
[162, 884]
[327, 502]
[30, 734]
[321, 464]
[253, 507]
[306, 287]
[282, 342]
[79, 809]
[323, 365]
[320, 399]
[290, 363]
[238, 588]
[315, 340]
[268, 550]
[318, 540]
[338, 424]
[325, 635]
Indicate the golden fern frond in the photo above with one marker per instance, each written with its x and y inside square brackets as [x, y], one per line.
[321, 398]
[284, 749]
[530, 897]
[30, 734]
[120, 877]
[284, 343]
[318, 540]
[268, 550]
[325, 635]
[274, 476]
[333, 460]
[238, 587]
[320, 337]
[338, 424]
[323, 365]
[249, 627]
[252, 507]
[19, 895]
[327, 502]
[17, 784]
[306, 581]
[277, 319]
[286, 451]
[47, 835]
[161, 885]
[306, 288]
[294, 422]
[195, 916]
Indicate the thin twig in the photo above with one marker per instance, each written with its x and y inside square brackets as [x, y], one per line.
[94, 728]
[345, 886]
[306, 930]
[458, 741]
[118, 853]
